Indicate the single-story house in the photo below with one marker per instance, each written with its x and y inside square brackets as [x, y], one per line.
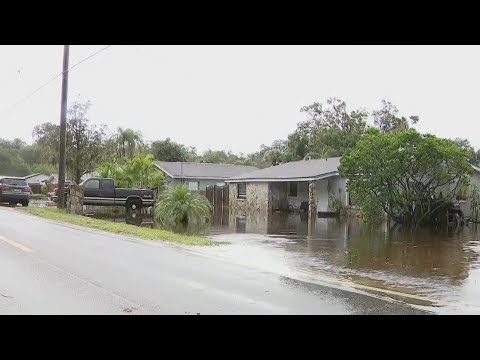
[35, 181]
[463, 194]
[197, 176]
[52, 182]
[88, 174]
[312, 185]
[309, 184]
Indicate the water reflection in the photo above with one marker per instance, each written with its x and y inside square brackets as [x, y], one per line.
[131, 217]
[438, 264]
[140, 217]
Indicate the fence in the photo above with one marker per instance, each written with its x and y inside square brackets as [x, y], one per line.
[218, 198]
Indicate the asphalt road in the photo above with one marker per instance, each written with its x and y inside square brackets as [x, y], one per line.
[51, 268]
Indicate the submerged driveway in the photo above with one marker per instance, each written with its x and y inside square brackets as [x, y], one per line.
[51, 268]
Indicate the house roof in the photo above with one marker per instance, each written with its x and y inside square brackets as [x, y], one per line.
[89, 174]
[31, 176]
[193, 170]
[304, 170]
[43, 177]
[54, 177]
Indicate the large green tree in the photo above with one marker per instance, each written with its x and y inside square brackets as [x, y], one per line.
[215, 156]
[386, 118]
[11, 161]
[401, 173]
[85, 142]
[473, 157]
[46, 137]
[31, 154]
[44, 169]
[168, 150]
[330, 130]
[12, 164]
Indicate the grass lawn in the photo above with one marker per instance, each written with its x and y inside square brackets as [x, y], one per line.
[118, 228]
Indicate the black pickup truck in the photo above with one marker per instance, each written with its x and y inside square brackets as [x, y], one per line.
[102, 191]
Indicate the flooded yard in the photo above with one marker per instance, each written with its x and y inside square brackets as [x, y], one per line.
[438, 270]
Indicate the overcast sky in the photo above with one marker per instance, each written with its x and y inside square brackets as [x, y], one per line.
[239, 97]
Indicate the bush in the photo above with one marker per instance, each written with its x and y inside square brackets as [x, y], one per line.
[336, 204]
[177, 206]
[44, 189]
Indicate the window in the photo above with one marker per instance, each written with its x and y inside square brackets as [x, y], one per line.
[92, 184]
[106, 184]
[241, 191]
[293, 189]
[193, 185]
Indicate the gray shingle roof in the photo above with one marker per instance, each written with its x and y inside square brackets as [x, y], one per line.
[202, 170]
[295, 170]
[31, 175]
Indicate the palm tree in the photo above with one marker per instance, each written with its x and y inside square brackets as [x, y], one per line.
[108, 170]
[142, 172]
[177, 206]
[128, 141]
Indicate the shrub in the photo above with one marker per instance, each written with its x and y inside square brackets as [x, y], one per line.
[177, 206]
[44, 189]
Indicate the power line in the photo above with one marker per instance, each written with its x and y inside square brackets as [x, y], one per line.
[51, 80]
[88, 57]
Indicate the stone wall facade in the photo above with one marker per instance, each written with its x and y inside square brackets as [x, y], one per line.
[261, 197]
[257, 199]
[75, 200]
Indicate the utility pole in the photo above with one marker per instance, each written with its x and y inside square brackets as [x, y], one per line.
[63, 130]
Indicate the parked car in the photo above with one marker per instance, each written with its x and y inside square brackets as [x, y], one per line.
[102, 191]
[14, 190]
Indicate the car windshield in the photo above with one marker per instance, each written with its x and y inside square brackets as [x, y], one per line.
[15, 182]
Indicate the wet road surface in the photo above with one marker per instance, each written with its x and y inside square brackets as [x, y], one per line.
[51, 268]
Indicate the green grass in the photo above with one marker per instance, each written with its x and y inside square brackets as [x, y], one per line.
[119, 228]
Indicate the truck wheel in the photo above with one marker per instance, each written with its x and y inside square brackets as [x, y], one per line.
[134, 204]
[25, 203]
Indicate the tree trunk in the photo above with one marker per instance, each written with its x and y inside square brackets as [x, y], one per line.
[78, 176]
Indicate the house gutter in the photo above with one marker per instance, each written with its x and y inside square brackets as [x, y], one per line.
[319, 177]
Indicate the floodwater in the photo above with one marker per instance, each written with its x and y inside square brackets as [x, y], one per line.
[133, 217]
[437, 271]
[432, 270]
